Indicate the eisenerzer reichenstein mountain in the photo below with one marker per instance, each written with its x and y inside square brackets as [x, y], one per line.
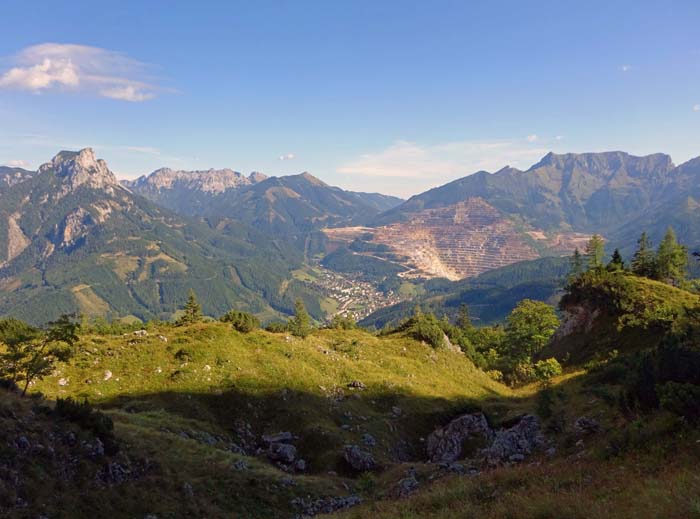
[488, 220]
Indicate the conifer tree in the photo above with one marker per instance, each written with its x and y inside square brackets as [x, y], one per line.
[643, 260]
[595, 252]
[464, 321]
[616, 263]
[300, 324]
[671, 259]
[192, 311]
[576, 265]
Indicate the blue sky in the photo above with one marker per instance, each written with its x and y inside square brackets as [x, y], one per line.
[373, 95]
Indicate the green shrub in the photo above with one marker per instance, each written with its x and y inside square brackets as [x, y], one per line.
[342, 323]
[90, 419]
[426, 328]
[277, 327]
[241, 321]
[681, 399]
[183, 355]
[545, 403]
[544, 370]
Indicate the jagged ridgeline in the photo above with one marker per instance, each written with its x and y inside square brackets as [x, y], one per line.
[76, 240]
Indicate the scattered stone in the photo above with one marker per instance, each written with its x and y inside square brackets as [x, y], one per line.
[98, 450]
[62, 381]
[585, 425]
[300, 465]
[207, 367]
[288, 482]
[140, 333]
[458, 468]
[309, 507]
[188, 490]
[107, 376]
[282, 452]
[551, 451]
[445, 443]
[239, 465]
[408, 485]
[396, 411]
[280, 437]
[358, 459]
[356, 384]
[516, 458]
[369, 440]
[159, 370]
[23, 443]
[162, 338]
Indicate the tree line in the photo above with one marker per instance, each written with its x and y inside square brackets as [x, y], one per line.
[667, 263]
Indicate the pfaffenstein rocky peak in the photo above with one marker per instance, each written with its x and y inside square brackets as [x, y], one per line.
[81, 168]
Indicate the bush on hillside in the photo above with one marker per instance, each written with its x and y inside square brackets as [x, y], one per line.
[340, 322]
[277, 327]
[90, 419]
[544, 370]
[668, 376]
[241, 321]
[681, 399]
[424, 327]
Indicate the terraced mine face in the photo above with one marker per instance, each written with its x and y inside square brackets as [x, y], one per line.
[459, 241]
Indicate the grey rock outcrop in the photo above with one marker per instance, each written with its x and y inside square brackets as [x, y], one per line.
[358, 459]
[515, 443]
[282, 452]
[445, 444]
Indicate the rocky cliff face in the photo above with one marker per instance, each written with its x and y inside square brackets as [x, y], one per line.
[76, 169]
[213, 181]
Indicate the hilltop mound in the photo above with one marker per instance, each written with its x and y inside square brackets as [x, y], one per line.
[606, 312]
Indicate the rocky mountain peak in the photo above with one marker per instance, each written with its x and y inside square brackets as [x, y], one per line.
[256, 177]
[608, 162]
[79, 168]
[213, 181]
[312, 179]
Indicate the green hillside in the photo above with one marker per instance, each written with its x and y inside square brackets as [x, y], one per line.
[490, 296]
[179, 406]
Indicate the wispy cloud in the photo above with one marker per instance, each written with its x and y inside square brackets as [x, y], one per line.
[531, 138]
[79, 68]
[696, 108]
[625, 68]
[18, 164]
[410, 160]
[287, 156]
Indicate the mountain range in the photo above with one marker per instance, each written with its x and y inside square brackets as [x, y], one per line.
[488, 220]
[77, 239]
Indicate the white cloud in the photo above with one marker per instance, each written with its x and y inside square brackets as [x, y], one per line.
[288, 156]
[625, 68]
[18, 164]
[78, 68]
[558, 137]
[696, 108]
[531, 138]
[433, 163]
